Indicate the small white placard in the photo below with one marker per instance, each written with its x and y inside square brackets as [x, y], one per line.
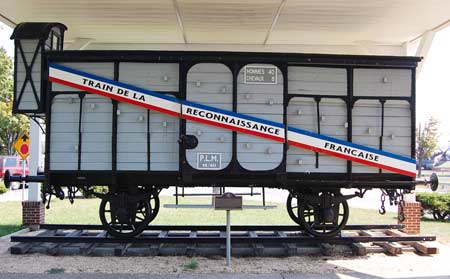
[260, 75]
[209, 161]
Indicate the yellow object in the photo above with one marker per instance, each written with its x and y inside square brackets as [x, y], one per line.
[22, 145]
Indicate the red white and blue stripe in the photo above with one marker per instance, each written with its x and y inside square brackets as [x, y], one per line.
[113, 89]
[233, 121]
[230, 120]
[351, 151]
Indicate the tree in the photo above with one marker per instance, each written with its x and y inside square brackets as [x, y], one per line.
[426, 141]
[10, 125]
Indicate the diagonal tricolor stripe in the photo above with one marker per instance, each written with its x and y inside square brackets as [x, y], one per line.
[353, 152]
[114, 90]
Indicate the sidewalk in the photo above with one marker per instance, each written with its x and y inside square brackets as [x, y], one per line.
[207, 276]
[13, 195]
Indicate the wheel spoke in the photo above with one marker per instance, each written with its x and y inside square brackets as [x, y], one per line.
[313, 211]
[138, 213]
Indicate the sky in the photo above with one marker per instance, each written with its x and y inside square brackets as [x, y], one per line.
[433, 84]
[5, 42]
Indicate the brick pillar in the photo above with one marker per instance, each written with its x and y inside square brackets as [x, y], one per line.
[33, 214]
[412, 217]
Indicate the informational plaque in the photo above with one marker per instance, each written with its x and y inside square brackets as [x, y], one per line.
[228, 201]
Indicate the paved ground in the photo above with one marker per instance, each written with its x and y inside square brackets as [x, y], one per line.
[207, 276]
[14, 195]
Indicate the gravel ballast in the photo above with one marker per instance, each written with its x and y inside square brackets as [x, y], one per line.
[407, 264]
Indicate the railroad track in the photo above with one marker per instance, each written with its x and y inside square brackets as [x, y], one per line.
[256, 240]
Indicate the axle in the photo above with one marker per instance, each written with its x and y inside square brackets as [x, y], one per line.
[8, 178]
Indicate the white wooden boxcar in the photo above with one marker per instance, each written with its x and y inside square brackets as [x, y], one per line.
[141, 121]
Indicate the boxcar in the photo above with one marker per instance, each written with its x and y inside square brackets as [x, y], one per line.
[141, 121]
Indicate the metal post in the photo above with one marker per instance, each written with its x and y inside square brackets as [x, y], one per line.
[23, 182]
[216, 191]
[264, 197]
[228, 240]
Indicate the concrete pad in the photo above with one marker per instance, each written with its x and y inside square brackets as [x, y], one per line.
[354, 275]
[310, 276]
[230, 276]
[87, 276]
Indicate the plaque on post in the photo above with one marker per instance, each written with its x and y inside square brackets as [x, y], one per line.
[228, 201]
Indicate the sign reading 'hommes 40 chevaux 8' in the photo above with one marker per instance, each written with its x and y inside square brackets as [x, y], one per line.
[260, 74]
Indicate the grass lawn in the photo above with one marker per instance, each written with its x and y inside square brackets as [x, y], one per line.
[86, 212]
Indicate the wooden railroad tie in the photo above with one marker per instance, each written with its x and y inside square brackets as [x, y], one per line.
[426, 248]
[82, 240]
[87, 248]
[393, 248]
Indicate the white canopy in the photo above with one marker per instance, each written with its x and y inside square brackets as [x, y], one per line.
[327, 26]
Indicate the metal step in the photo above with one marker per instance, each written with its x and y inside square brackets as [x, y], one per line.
[213, 194]
[210, 206]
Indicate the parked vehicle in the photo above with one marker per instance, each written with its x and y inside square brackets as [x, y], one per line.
[428, 164]
[14, 164]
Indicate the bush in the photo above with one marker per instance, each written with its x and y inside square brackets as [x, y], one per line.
[434, 201]
[96, 189]
[3, 189]
[192, 265]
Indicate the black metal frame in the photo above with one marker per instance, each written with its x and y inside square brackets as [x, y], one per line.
[28, 65]
[234, 173]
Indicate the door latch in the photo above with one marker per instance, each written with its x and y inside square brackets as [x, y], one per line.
[188, 141]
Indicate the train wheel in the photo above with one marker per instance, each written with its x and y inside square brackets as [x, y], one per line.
[293, 208]
[154, 205]
[323, 215]
[446, 215]
[437, 215]
[440, 215]
[123, 215]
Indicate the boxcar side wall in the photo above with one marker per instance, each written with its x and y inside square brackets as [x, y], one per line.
[94, 140]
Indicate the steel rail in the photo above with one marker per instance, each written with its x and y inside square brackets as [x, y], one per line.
[186, 239]
[218, 227]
